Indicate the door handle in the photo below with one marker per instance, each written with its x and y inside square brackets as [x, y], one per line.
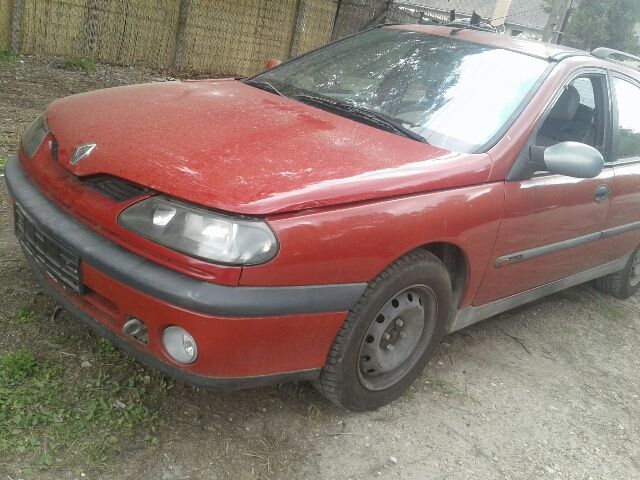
[602, 193]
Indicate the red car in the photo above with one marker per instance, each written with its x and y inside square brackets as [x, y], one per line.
[332, 218]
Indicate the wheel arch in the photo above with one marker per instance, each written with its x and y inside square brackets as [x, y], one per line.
[456, 262]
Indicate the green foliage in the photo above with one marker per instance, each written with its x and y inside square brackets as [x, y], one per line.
[24, 316]
[3, 163]
[47, 414]
[605, 23]
[628, 143]
[81, 64]
[7, 56]
[15, 368]
[106, 347]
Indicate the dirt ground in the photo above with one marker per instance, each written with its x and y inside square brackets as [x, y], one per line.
[550, 390]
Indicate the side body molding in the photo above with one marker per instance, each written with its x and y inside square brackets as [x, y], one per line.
[470, 315]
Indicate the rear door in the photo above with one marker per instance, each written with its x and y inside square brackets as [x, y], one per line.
[623, 224]
[551, 222]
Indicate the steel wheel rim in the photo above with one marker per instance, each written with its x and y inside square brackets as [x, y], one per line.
[406, 323]
[634, 275]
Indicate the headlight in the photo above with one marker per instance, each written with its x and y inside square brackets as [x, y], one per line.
[34, 135]
[201, 233]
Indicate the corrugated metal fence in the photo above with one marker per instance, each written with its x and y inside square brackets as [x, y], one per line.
[219, 36]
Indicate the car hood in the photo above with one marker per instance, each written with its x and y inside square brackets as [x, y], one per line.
[233, 147]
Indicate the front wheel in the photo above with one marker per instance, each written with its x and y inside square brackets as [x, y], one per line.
[388, 338]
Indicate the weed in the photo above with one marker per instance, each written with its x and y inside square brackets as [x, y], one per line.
[106, 347]
[46, 413]
[68, 339]
[611, 309]
[85, 65]
[17, 367]
[25, 316]
[3, 163]
[445, 388]
[7, 56]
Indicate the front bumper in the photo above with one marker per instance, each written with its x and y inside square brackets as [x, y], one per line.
[246, 336]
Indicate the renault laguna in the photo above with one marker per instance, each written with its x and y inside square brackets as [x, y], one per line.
[332, 218]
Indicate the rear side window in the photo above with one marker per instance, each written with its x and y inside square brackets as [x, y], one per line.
[628, 101]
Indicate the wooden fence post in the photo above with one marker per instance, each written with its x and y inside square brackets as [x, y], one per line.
[16, 20]
[297, 29]
[90, 46]
[181, 45]
[335, 18]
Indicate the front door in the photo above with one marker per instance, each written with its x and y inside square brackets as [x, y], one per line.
[552, 222]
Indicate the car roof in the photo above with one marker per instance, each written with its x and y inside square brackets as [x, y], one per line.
[534, 48]
[547, 51]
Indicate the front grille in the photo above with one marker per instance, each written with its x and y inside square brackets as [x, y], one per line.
[115, 188]
[56, 260]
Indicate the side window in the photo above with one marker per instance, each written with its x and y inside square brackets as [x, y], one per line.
[577, 116]
[628, 102]
[585, 89]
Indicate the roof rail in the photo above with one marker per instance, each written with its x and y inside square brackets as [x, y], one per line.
[458, 27]
[606, 53]
[559, 56]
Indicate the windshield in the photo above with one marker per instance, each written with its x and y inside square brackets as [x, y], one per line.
[457, 95]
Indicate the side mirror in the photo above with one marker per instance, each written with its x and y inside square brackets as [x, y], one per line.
[272, 63]
[571, 159]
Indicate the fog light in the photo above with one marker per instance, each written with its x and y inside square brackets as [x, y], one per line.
[180, 345]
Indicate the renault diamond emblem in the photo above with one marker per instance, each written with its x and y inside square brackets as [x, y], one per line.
[82, 152]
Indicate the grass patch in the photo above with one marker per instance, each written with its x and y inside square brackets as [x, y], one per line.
[25, 316]
[67, 339]
[81, 64]
[7, 56]
[610, 308]
[106, 347]
[51, 416]
[3, 163]
[445, 388]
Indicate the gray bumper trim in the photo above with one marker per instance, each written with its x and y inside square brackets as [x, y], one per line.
[168, 285]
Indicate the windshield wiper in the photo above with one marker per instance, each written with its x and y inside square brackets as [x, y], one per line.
[264, 85]
[369, 116]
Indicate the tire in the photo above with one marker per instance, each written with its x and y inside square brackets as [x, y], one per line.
[626, 282]
[362, 372]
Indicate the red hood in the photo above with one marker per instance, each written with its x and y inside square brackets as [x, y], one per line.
[234, 147]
